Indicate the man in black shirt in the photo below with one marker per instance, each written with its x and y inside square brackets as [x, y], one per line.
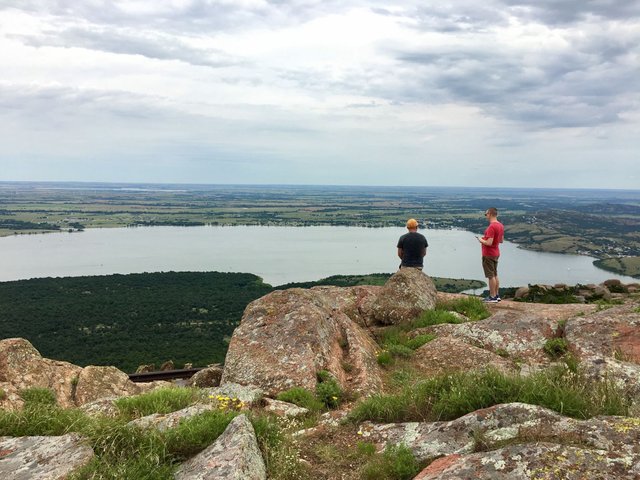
[412, 246]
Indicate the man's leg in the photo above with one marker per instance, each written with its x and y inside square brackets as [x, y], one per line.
[493, 286]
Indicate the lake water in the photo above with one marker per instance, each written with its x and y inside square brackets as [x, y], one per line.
[277, 254]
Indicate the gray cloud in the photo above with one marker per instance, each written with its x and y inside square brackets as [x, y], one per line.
[554, 12]
[148, 44]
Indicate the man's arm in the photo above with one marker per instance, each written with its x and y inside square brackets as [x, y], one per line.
[400, 252]
[424, 251]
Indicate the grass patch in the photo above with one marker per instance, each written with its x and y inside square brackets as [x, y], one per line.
[450, 396]
[301, 397]
[556, 347]
[384, 358]
[328, 391]
[125, 451]
[395, 463]
[396, 343]
[279, 451]
[436, 317]
[162, 400]
[470, 307]
[38, 396]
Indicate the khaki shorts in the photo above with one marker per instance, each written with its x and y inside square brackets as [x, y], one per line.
[490, 266]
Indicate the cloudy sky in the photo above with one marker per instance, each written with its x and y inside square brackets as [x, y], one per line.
[542, 93]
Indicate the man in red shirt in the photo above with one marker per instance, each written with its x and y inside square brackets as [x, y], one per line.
[493, 237]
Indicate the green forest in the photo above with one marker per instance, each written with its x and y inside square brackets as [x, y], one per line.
[129, 320]
[135, 319]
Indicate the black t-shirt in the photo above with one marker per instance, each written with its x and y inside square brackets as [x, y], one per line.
[412, 244]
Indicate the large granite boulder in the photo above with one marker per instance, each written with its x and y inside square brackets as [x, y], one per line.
[407, 294]
[608, 345]
[614, 332]
[286, 337]
[234, 455]
[95, 383]
[22, 367]
[354, 302]
[42, 458]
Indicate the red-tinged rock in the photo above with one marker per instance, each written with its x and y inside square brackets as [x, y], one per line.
[537, 461]
[438, 466]
[614, 332]
[286, 337]
[95, 383]
[22, 366]
[447, 355]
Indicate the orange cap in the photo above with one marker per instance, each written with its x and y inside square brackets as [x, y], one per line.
[412, 223]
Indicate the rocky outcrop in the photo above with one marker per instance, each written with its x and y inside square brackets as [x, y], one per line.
[42, 458]
[22, 367]
[234, 455]
[518, 330]
[407, 294]
[489, 427]
[286, 337]
[99, 382]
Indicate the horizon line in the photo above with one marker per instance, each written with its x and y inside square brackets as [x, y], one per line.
[480, 187]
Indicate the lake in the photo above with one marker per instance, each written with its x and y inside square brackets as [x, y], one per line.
[277, 254]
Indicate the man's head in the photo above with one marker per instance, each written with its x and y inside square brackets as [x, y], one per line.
[412, 224]
[491, 213]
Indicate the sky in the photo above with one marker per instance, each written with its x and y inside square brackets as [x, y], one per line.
[508, 93]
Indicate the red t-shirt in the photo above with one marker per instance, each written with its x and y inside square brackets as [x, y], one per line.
[495, 230]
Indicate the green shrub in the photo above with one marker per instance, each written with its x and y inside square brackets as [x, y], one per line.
[399, 350]
[435, 317]
[418, 341]
[556, 347]
[40, 419]
[329, 392]
[39, 396]
[470, 307]
[384, 358]
[3, 394]
[395, 463]
[196, 433]
[301, 397]
[162, 400]
[367, 449]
